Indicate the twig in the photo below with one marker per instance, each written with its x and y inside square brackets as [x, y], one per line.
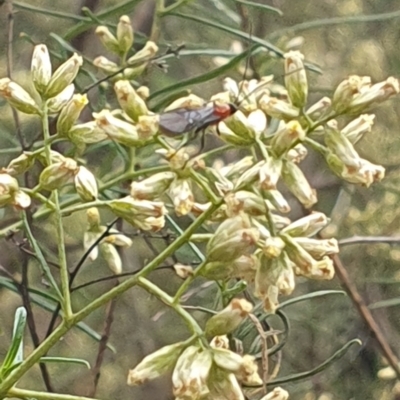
[366, 315]
[369, 239]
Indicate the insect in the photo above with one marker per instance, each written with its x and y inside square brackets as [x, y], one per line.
[181, 120]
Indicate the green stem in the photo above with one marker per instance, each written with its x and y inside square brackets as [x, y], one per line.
[84, 206]
[35, 194]
[65, 325]
[26, 394]
[204, 185]
[169, 301]
[113, 181]
[62, 257]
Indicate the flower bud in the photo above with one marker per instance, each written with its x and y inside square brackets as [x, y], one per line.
[245, 201]
[236, 169]
[41, 67]
[287, 137]
[220, 342]
[272, 247]
[124, 34]
[129, 100]
[321, 270]
[58, 174]
[86, 185]
[278, 201]
[269, 173]
[20, 164]
[318, 247]
[152, 187]
[111, 256]
[148, 126]
[227, 320]
[118, 130]
[265, 283]
[118, 239]
[181, 195]
[55, 157]
[276, 108]
[8, 187]
[296, 78]
[155, 364]
[149, 50]
[218, 270]
[63, 76]
[147, 215]
[346, 91]
[308, 225]
[227, 359]
[224, 385]
[21, 200]
[108, 40]
[70, 113]
[320, 108]
[106, 65]
[298, 184]
[357, 128]
[230, 137]
[239, 124]
[286, 280]
[189, 378]
[233, 238]
[191, 101]
[374, 94]
[276, 394]
[250, 176]
[89, 132]
[17, 97]
[55, 104]
[342, 147]
[297, 154]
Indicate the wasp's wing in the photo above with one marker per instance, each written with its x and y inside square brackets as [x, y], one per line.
[182, 120]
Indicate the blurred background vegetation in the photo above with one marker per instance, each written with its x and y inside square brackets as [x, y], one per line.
[342, 37]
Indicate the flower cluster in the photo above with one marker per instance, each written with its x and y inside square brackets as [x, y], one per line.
[204, 371]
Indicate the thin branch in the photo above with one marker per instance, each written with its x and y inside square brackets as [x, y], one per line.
[369, 239]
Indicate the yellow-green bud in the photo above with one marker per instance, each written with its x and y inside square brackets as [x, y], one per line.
[287, 137]
[230, 136]
[308, 225]
[224, 385]
[272, 246]
[245, 201]
[152, 187]
[129, 100]
[21, 200]
[340, 145]
[17, 97]
[41, 68]
[180, 192]
[318, 248]
[190, 375]
[278, 201]
[20, 164]
[233, 238]
[297, 154]
[357, 128]
[8, 187]
[297, 183]
[70, 113]
[227, 359]
[88, 132]
[296, 78]
[320, 108]
[63, 76]
[108, 40]
[277, 108]
[55, 104]
[86, 185]
[155, 364]
[124, 34]
[227, 320]
[121, 131]
[57, 175]
[147, 215]
[149, 50]
[105, 64]
[147, 126]
[236, 169]
[269, 173]
[347, 90]
[111, 256]
[239, 124]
